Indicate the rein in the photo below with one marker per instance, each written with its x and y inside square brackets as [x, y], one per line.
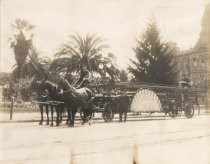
[67, 91]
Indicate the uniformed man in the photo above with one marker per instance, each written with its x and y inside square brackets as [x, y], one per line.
[84, 79]
[124, 103]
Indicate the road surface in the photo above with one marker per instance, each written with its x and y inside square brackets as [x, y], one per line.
[145, 139]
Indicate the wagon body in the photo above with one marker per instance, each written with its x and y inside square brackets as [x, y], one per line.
[169, 99]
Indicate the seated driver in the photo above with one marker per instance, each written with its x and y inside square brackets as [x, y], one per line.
[185, 82]
[84, 79]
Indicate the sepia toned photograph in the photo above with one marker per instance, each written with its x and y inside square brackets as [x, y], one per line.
[104, 82]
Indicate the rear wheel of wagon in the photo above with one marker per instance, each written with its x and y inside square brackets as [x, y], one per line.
[189, 111]
[108, 113]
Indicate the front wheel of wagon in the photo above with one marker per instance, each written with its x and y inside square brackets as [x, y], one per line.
[173, 112]
[108, 113]
[189, 111]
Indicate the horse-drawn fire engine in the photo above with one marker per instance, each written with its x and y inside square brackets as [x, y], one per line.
[144, 98]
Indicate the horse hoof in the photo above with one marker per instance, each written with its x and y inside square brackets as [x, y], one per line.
[40, 123]
[51, 124]
[47, 123]
[57, 125]
[71, 125]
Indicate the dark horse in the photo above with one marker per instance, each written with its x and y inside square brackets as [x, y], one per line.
[43, 100]
[74, 98]
[56, 99]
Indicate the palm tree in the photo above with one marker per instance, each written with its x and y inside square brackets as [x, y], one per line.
[81, 52]
[110, 66]
[123, 75]
[21, 42]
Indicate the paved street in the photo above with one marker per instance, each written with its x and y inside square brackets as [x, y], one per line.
[147, 139]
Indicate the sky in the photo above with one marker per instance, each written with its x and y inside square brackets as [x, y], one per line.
[118, 22]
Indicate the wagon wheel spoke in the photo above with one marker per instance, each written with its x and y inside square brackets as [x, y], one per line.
[146, 100]
[108, 113]
[173, 112]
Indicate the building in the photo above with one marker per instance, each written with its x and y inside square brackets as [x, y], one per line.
[193, 63]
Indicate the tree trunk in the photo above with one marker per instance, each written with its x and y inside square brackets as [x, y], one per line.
[18, 92]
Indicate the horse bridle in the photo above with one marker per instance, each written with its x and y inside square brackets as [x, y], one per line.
[67, 91]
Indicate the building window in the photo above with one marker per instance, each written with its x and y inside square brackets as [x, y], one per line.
[203, 62]
[182, 64]
[194, 62]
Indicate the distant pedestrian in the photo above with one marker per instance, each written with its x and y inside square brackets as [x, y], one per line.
[123, 108]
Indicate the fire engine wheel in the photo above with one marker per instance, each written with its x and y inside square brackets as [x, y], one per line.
[173, 112]
[108, 113]
[189, 111]
[145, 100]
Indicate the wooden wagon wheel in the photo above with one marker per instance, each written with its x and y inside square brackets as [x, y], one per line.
[108, 113]
[173, 112]
[145, 100]
[189, 110]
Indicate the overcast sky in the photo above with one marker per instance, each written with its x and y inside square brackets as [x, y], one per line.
[117, 21]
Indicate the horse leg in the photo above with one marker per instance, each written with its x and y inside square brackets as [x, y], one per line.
[61, 113]
[68, 116]
[125, 116]
[90, 114]
[73, 113]
[41, 111]
[57, 117]
[84, 115]
[51, 124]
[120, 115]
[47, 112]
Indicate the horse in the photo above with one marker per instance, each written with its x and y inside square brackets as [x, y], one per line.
[42, 97]
[74, 98]
[54, 95]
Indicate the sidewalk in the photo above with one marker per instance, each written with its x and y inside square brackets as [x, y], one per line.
[20, 117]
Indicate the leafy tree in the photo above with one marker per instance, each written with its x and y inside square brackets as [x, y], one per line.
[24, 87]
[4, 78]
[154, 58]
[123, 75]
[33, 69]
[81, 52]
